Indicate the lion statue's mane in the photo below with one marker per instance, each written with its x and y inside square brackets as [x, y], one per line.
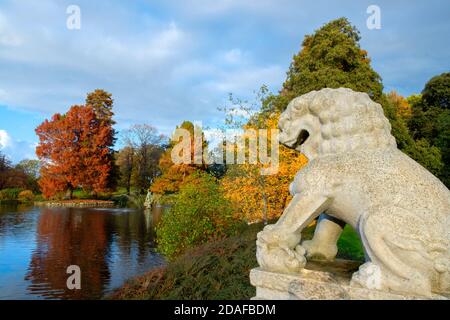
[348, 121]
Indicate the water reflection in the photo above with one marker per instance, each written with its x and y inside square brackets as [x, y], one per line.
[109, 245]
[9, 222]
[72, 237]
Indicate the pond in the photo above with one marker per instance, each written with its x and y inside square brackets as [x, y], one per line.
[38, 244]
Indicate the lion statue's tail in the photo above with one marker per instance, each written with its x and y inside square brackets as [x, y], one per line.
[442, 265]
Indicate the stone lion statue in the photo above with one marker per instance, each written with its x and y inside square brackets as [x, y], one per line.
[357, 176]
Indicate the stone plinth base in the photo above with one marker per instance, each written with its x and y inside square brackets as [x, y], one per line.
[318, 281]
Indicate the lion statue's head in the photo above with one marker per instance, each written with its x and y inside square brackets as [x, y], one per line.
[332, 121]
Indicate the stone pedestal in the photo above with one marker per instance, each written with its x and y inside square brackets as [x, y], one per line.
[319, 281]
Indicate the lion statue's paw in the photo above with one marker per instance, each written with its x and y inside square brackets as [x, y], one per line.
[372, 277]
[281, 260]
[279, 252]
[368, 276]
[320, 251]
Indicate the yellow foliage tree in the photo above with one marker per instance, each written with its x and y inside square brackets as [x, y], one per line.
[175, 175]
[401, 104]
[257, 197]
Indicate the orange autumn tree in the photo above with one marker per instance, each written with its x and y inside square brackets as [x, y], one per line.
[75, 150]
[257, 197]
[175, 175]
[102, 103]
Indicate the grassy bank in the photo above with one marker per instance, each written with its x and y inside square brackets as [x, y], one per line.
[217, 270]
[84, 203]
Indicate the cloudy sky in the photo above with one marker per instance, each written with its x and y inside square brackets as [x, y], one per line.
[167, 61]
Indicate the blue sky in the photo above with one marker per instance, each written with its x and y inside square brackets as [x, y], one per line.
[167, 61]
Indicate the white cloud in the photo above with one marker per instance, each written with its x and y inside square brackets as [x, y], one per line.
[233, 56]
[207, 8]
[55, 67]
[246, 80]
[168, 61]
[8, 37]
[5, 140]
[16, 150]
[240, 113]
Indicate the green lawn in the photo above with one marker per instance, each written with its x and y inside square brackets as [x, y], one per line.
[350, 246]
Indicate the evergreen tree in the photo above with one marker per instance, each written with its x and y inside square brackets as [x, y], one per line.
[330, 58]
[333, 58]
[430, 120]
[437, 92]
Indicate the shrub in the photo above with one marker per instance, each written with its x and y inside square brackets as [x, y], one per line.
[26, 196]
[39, 197]
[167, 199]
[120, 200]
[200, 214]
[81, 194]
[218, 270]
[10, 194]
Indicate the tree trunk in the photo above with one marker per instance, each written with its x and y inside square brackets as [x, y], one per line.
[262, 183]
[69, 193]
[265, 208]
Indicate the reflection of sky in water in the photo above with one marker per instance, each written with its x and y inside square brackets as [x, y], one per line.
[17, 241]
[37, 244]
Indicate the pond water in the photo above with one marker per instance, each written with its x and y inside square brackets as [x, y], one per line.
[38, 244]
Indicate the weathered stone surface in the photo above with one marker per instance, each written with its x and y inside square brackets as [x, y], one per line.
[316, 283]
[357, 176]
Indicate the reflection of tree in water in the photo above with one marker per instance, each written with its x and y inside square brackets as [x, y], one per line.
[70, 237]
[134, 233]
[108, 245]
[10, 220]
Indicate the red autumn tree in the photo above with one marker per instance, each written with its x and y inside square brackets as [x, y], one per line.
[75, 150]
